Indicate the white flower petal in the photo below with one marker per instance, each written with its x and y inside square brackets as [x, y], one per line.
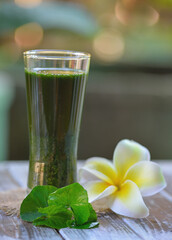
[128, 201]
[101, 168]
[85, 176]
[126, 154]
[148, 177]
[99, 189]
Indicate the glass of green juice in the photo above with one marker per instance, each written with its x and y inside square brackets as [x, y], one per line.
[55, 87]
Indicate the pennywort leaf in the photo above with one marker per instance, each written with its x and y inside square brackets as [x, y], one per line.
[69, 195]
[37, 198]
[59, 208]
[85, 226]
[92, 216]
[81, 213]
[75, 197]
[80, 219]
[51, 210]
[58, 220]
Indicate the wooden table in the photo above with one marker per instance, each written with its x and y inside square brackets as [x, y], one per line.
[157, 226]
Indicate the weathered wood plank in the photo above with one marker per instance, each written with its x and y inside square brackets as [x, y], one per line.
[6, 181]
[19, 171]
[168, 178]
[12, 227]
[158, 225]
[111, 227]
[166, 167]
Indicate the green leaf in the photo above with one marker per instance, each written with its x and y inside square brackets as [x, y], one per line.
[51, 210]
[69, 195]
[57, 221]
[81, 213]
[37, 198]
[73, 196]
[59, 208]
[88, 225]
[83, 220]
[93, 216]
[84, 226]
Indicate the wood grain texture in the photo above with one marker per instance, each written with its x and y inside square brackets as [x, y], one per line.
[168, 178]
[12, 227]
[111, 227]
[6, 180]
[158, 226]
[17, 169]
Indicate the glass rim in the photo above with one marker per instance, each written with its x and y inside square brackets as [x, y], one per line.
[55, 54]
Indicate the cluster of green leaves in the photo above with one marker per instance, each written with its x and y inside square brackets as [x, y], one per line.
[59, 208]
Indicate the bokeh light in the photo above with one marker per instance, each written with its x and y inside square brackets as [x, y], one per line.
[29, 35]
[133, 13]
[129, 3]
[153, 17]
[28, 3]
[121, 14]
[109, 45]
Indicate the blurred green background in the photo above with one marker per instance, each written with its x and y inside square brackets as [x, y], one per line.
[129, 91]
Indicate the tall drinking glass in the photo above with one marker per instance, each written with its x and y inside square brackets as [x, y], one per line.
[55, 86]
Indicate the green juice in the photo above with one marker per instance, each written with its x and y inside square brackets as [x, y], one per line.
[55, 101]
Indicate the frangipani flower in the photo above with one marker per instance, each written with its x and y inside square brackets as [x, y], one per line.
[123, 183]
